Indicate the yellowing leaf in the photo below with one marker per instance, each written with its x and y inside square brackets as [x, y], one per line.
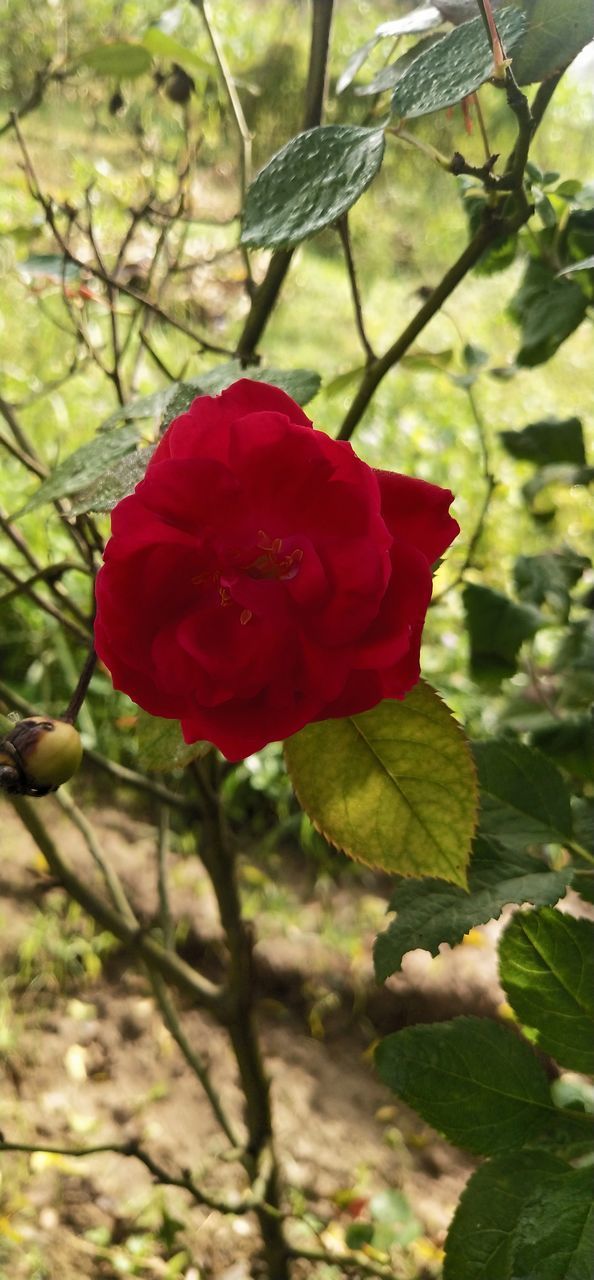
[394, 787]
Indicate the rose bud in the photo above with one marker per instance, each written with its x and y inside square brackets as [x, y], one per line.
[46, 751]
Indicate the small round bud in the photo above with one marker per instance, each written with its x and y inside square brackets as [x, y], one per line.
[48, 751]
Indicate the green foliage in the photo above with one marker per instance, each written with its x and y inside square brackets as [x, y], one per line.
[454, 67]
[547, 972]
[83, 467]
[555, 1231]
[310, 184]
[551, 441]
[396, 789]
[524, 799]
[470, 1078]
[434, 912]
[554, 36]
[482, 1237]
[548, 308]
[161, 747]
[120, 59]
[497, 628]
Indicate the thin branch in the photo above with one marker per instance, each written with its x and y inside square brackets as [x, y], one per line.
[46, 606]
[112, 881]
[267, 293]
[132, 1149]
[490, 486]
[143, 945]
[194, 1061]
[239, 120]
[96, 271]
[82, 686]
[165, 917]
[344, 233]
[218, 857]
[344, 1260]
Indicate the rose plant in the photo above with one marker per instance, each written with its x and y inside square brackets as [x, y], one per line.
[262, 582]
[262, 576]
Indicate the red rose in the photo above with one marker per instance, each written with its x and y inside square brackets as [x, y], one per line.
[261, 576]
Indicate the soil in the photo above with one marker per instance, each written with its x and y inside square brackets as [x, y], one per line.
[86, 1061]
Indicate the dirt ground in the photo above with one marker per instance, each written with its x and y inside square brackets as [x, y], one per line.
[86, 1061]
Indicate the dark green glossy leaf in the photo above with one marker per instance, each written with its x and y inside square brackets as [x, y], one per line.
[393, 787]
[472, 1079]
[547, 442]
[548, 309]
[389, 76]
[569, 740]
[434, 912]
[555, 34]
[120, 59]
[524, 799]
[481, 1238]
[455, 67]
[310, 183]
[555, 1233]
[497, 628]
[546, 967]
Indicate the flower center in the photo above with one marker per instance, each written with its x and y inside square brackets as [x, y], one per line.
[270, 564]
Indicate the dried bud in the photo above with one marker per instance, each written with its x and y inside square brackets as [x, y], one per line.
[44, 752]
[179, 85]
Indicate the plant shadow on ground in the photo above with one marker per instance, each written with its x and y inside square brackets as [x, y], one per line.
[88, 1062]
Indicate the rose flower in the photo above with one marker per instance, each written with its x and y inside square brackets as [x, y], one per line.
[262, 576]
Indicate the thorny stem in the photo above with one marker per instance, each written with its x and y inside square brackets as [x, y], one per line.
[265, 296]
[219, 859]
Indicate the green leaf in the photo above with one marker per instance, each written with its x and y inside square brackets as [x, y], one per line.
[547, 579]
[586, 264]
[497, 628]
[393, 787]
[545, 478]
[354, 64]
[120, 59]
[434, 912]
[548, 309]
[389, 76]
[48, 266]
[310, 183]
[472, 1079]
[161, 746]
[84, 466]
[145, 407]
[163, 45]
[569, 742]
[421, 19]
[455, 67]
[481, 1238]
[555, 1233]
[117, 483]
[546, 967]
[549, 441]
[524, 799]
[555, 35]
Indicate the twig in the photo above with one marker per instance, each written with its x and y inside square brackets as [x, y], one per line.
[106, 279]
[45, 605]
[267, 293]
[83, 683]
[165, 916]
[344, 1260]
[144, 945]
[490, 486]
[239, 120]
[219, 859]
[344, 233]
[184, 1181]
[112, 881]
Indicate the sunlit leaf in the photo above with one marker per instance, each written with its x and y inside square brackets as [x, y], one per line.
[454, 67]
[393, 787]
[161, 746]
[121, 59]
